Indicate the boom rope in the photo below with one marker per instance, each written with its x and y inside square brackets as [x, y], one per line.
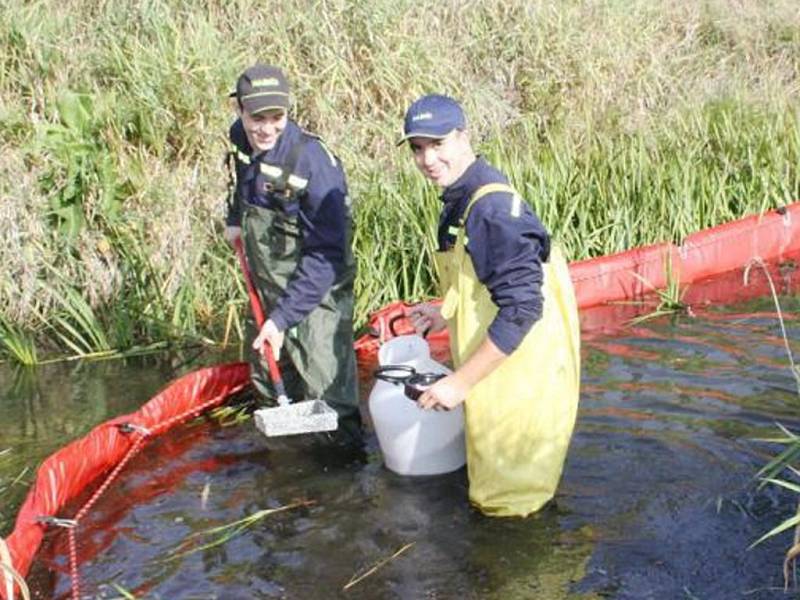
[142, 434]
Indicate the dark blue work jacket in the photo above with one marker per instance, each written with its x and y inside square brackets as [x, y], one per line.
[507, 244]
[324, 214]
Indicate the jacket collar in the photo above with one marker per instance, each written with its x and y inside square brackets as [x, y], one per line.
[464, 186]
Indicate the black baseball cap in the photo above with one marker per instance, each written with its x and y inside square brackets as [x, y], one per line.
[262, 87]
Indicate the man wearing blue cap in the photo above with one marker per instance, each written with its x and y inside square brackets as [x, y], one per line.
[289, 204]
[511, 313]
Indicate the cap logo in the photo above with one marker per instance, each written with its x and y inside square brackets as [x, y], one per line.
[269, 81]
[426, 116]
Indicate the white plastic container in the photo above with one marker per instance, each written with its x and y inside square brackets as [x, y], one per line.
[414, 441]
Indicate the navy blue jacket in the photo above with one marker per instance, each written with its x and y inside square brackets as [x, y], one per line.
[324, 217]
[507, 251]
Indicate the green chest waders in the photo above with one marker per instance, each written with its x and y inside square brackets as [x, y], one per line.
[317, 360]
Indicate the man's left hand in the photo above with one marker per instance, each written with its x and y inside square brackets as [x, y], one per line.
[269, 333]
[445, 394]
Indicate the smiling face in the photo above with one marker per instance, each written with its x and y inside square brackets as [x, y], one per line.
[443, 160]
[264, 128]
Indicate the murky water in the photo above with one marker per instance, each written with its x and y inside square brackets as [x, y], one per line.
[658, 498]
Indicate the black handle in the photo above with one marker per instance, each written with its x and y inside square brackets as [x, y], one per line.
[396, 374]
[394, 319]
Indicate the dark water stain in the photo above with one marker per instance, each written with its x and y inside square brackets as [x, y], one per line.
[658, 498]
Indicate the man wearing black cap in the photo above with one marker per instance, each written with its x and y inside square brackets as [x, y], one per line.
[508, 304]
[289, 204]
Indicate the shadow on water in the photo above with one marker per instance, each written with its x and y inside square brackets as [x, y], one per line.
[658, 498]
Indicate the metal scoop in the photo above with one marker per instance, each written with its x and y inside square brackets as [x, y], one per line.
[288, 418]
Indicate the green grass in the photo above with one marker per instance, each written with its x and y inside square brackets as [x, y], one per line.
[622, 123]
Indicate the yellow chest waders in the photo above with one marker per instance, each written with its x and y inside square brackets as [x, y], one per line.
[519, 419]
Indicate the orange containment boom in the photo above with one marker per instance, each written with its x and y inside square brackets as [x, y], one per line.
[629, 275]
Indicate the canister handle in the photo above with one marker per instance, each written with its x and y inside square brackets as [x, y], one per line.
[396, 374]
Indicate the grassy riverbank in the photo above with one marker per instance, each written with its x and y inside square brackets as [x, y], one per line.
[623, 122]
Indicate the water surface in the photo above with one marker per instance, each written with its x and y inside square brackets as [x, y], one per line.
[658, 498]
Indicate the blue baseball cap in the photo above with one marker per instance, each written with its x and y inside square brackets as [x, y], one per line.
[433, 116]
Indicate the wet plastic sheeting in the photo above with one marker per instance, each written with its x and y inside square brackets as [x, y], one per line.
[658, 497]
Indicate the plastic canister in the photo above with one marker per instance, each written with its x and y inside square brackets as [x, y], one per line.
[414, 441]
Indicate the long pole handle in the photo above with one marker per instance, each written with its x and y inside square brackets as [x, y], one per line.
[258, 313]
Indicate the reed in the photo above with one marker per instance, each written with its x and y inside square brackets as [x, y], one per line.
[18, 344]
[226, 532]
[124, 593]
[781, 470]
[669, 300]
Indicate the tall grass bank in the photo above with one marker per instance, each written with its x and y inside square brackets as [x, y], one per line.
[622, 122]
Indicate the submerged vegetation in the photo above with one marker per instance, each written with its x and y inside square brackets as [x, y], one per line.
[228, 531]
[782, 471]
[622, 122]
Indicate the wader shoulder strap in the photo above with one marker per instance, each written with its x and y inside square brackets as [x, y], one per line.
[230, 164]
[482, 191]
[283, 178]
[294, 155]
[235, 156]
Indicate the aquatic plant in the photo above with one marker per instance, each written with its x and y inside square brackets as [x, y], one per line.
[77, 325]
[670, 298]
[769, 474]
[785, 461]
[18, 344]
[794, 367]
[125, 593]
[234, 412]
[355, 579]
[231, 530]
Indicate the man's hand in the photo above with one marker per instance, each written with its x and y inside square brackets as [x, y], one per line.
[231, 234]
[269, 333]
[445, 394]
[426, 318]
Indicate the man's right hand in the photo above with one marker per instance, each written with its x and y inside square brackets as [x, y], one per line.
[426, 318]
[231, 234]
